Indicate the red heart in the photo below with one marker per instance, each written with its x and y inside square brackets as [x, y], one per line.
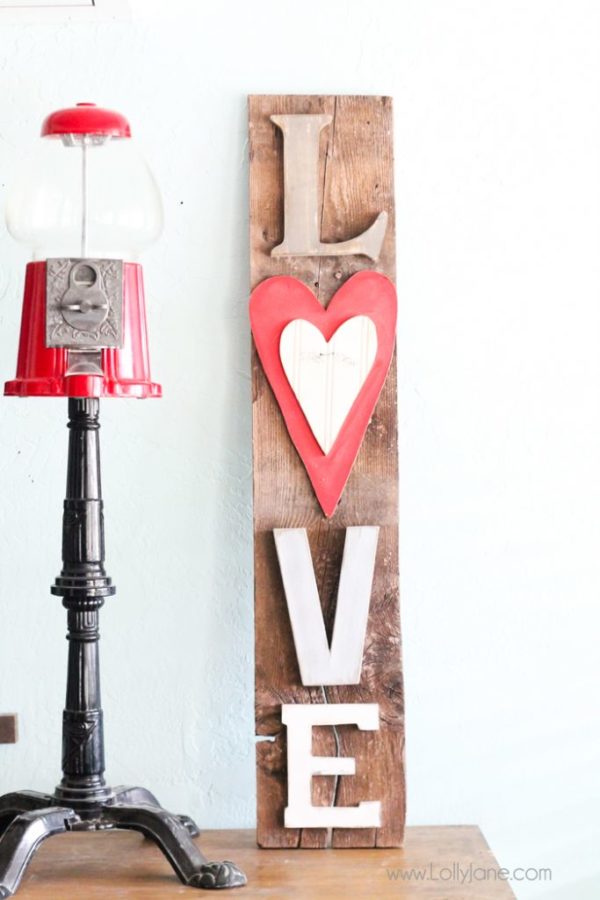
[278, 301]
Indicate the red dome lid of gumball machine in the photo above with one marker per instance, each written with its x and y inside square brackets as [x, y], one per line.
[86, 118]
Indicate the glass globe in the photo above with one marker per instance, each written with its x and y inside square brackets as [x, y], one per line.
[85, 193]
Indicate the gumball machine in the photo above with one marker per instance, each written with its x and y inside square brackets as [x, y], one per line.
[86, 205]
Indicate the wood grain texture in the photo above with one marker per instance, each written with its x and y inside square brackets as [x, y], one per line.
[8, 729]
[124, 865]
[356, 171]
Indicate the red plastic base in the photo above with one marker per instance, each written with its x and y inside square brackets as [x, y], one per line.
[41, 370]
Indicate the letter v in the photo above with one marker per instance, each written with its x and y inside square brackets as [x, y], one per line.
[342, 662]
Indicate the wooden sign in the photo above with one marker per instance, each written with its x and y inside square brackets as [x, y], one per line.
[329, 696]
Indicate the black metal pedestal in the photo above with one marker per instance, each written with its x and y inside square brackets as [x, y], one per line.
[83, 801]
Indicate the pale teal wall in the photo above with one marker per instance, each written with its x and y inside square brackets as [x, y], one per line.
[498, 190]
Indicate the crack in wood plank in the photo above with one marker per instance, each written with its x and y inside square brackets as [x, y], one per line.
[329, 151]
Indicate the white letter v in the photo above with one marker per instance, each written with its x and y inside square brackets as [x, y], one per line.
[319, 663]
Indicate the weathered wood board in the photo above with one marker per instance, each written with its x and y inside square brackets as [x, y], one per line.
[356, 171]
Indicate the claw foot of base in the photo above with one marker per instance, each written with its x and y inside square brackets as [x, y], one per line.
[215, 876]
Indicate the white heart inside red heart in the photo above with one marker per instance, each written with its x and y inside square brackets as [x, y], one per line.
[327, 376]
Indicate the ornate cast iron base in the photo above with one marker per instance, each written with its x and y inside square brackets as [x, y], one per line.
[27, 818]
[83, 801]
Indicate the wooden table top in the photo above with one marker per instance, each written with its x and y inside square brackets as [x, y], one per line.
[84, 866]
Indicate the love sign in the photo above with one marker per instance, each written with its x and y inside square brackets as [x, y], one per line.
[329, 694]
